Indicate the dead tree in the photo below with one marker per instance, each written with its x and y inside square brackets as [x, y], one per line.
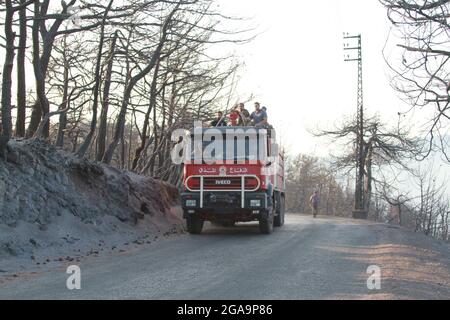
[432, 203]
[163, 77]
[63, 116]
[46, 30]
[21, 75]
[8, 65]
[87, 142]
[396, 199]
[384, 148]
[423, 78]
[145, 126]
[41, 59]
[103, 126]
[7, 78]
[118, 133]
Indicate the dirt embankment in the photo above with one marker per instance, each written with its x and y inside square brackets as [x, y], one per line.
[52, 201]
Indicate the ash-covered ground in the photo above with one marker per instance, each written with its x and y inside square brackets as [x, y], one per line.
[56, 208]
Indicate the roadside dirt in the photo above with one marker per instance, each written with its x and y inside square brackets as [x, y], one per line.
[56, 208]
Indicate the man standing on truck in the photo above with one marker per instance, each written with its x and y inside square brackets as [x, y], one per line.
[259, 117]
[234, 116]
[314, 203]
[244, 116]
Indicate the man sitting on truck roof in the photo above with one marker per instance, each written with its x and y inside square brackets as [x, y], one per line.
[219, 121]
[259, 117]
[244, 116]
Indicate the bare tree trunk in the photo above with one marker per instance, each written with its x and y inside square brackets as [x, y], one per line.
[152, 103]
[36, 116]
[167, 121]
[161, 141]
[119, 125]
[130, 86]
[65, 103]
[87, 142]
[130, 145]
[156, 136]
[39, 72]
[41, 61]
[7, 79]
[21, 76]
[122, 152]
[119, 128]
[103, 127]
[368, 188]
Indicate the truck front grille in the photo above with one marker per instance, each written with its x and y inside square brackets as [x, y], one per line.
[223, 183]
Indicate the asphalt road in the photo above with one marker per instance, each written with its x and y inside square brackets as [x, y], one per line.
[324, 258]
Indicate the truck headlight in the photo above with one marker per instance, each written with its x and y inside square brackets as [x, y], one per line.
[255, 203]
[191, 203]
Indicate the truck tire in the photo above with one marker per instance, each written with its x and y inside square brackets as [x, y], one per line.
[279, 218]
[266, 224]
[194, 224]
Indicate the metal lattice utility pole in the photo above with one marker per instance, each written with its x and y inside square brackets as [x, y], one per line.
[360, 210]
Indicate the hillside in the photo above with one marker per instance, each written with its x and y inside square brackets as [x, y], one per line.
[53, 204]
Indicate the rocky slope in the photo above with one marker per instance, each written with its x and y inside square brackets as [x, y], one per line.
[52, 203]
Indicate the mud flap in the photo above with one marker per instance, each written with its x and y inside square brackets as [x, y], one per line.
[270, 196]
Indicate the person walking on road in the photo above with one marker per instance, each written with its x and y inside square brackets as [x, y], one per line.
[314, 203]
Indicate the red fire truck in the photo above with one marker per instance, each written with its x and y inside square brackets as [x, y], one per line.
[241, 186]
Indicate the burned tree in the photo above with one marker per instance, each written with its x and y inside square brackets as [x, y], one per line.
[7, 78]
[133, 80]
[10, 9]
[87, 142]
[21, 74]
[421, 75]
[383, 148]
[121, 75]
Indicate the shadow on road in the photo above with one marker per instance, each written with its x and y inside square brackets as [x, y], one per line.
[241, 229]
[252, 229]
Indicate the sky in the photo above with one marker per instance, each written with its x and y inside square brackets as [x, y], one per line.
[295, 66]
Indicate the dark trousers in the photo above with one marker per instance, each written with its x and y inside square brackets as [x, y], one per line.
[315, 209]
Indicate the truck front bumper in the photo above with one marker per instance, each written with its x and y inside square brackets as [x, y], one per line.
[219, 203]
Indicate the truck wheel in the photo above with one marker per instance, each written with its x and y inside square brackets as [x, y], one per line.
[266, 224]
[279, 218]
[194, 224]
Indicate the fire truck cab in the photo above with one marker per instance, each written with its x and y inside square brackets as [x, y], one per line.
[241, 182]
